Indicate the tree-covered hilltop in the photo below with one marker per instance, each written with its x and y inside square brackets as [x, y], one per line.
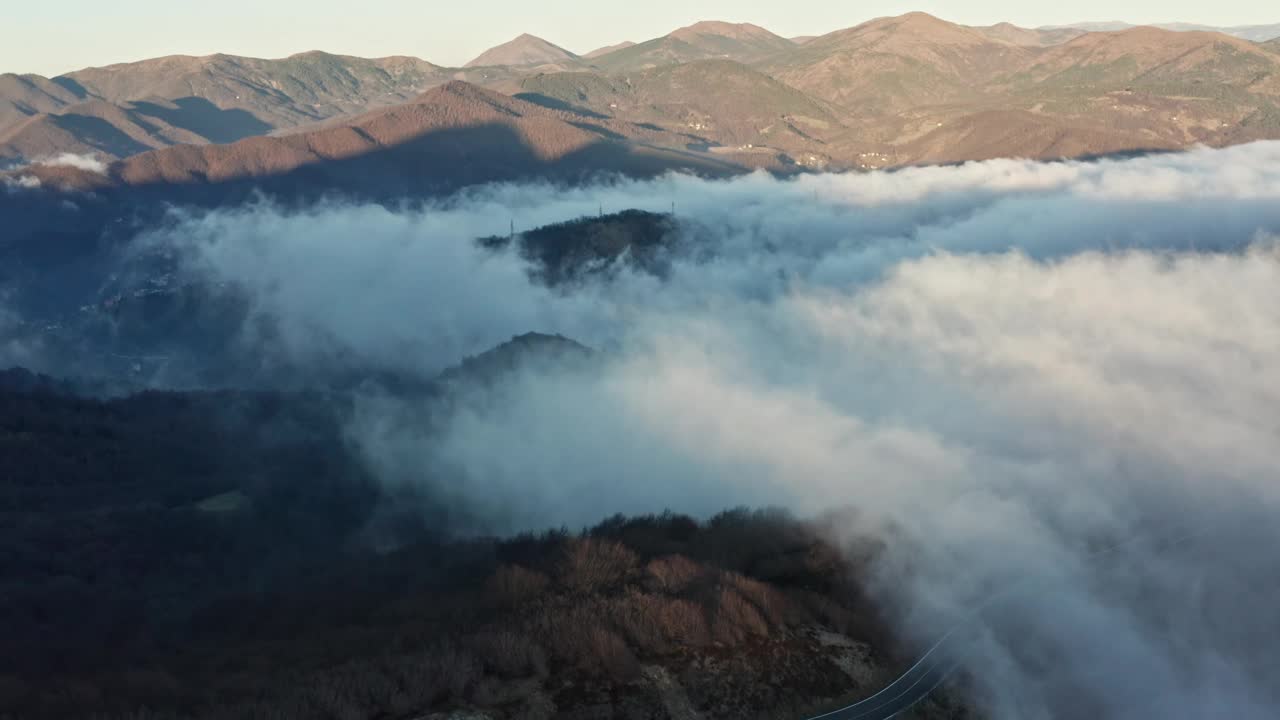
[219, 555]
[571, 250]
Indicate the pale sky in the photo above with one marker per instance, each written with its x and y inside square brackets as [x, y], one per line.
[55, 36]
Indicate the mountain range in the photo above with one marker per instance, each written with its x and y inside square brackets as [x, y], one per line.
[1256, 33]
[713, 96]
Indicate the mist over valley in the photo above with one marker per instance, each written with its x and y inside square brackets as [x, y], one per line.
[886, 373]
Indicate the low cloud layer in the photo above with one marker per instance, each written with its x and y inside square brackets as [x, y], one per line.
[408, 288]
[1053, 378]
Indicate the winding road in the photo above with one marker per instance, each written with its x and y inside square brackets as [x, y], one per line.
[914, 685]
[941, 660]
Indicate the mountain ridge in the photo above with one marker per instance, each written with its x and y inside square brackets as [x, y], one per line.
[605, 50]
[1256, 33]
[452, 135]
[213, 98]
[861, 97]
[705, 40]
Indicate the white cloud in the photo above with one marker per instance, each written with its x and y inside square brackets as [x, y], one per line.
[88, 163]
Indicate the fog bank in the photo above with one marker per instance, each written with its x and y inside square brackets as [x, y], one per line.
[1055, 378]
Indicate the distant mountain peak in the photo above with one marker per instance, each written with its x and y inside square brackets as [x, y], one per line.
[918, 28]
[703, 40]
[532, 350]
[608, 49]
[524, 50]
[1028, 37]
[916, 19]
[919, 21]
[741, 31]
[461, 89]
[1254, 33]
[307, 54]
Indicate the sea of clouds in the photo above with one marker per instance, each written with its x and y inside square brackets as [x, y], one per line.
[1057, 377]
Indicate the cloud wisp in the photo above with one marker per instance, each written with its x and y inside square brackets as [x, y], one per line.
[17, 348]
[88, 163]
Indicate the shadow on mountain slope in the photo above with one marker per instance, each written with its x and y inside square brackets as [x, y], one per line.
[430, 164]
[552, 103]
[205, 119]
[52, 236]
[351, 164]
[71, 86]
[100, 134]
